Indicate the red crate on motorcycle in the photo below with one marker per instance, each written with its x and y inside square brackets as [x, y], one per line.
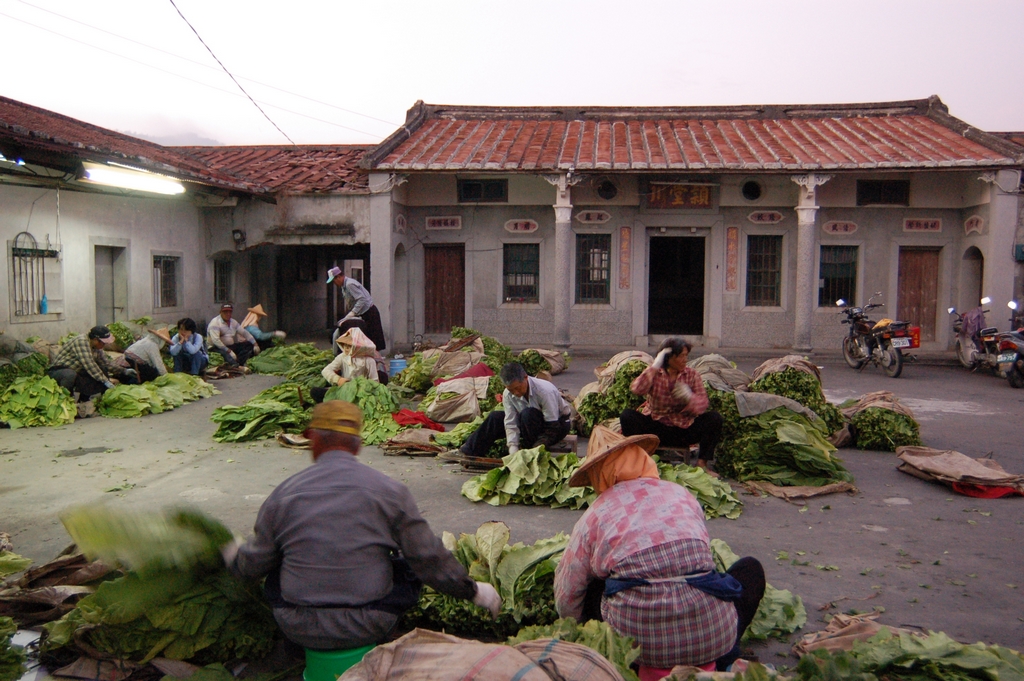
[915, 336]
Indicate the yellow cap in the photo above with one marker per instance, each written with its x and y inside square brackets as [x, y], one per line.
[337, 415]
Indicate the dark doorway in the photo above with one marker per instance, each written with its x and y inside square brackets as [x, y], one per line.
[445, 301]
[675, 290]
[917, 300]
[111, 274]
[305, 302]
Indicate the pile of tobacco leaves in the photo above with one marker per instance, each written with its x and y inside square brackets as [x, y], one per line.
[598, 407]
[803, 387]
[780, 612]
[416, 374]
[122, 334]
[714, 494]
[306, 370]
[524, 576]
[154, 397]
[377, 404]
[496, 355]
[619, 650]
[36, 400]
[283, 408]
[532, 477]
[907, 657]
[12, 658]
[280, 359]
[884, 430]
[176, 601]
[35, 364]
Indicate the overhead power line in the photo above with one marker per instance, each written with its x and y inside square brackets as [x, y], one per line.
[207, 66]
[191, 80]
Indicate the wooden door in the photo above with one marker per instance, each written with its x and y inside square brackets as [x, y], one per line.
[918, 289]
[444, 268]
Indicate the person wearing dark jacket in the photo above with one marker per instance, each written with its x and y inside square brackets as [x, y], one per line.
[344, 547]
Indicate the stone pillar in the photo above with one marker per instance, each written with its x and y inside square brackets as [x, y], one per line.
[563, 258]
[999, 237]
[381, 249]
[806, 210]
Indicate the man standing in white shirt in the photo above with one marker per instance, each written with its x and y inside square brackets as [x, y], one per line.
[360, 306]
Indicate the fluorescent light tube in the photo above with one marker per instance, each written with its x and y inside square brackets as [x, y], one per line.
[126, 178]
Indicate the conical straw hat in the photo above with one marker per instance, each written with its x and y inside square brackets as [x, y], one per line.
[605, 442]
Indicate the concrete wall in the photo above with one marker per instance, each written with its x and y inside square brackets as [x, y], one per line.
[143, 226]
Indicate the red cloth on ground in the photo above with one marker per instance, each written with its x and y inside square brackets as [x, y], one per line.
[407, 417]
[654, 673]
[983, 491]
[476, 371]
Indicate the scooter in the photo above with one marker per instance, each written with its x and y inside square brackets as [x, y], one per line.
[1011, 348]
[977, 345]
[881, 343]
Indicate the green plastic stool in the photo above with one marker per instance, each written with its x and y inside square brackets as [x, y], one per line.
[328, 665]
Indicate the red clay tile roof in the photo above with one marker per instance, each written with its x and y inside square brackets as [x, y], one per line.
[300, 169]
[913, 134]
[30, 131]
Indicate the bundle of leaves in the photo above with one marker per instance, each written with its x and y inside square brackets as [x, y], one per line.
[524, 576]
[372, 398]
[715, 495]
[621, 651]
[458, 435]
[496, 355]
[597, 407]
[532, 477]
[280, 409]
[416, 374]
[805, 389]
[533, 362]
[122, 334]
[216, 359]
[724, 403]
[884, 430]
[177, 602]
[910, 657]
[780, 612]
[781, 447]
[280, 359]
[495, 387]
[157, 396]
[8, 372]
[12, 659]
[11, 563]
[306, 371]
[36, 401]
[35, 364]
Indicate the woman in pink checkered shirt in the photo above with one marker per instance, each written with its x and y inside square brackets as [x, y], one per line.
[676, 409]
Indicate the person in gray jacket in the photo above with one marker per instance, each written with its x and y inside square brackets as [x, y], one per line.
[344, 547]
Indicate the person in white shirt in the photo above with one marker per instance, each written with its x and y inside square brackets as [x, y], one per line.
[357, 359]
[144, 355]
[230, 338]
[360, 306]
[535, 414]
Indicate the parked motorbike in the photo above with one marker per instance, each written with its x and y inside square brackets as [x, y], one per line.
[1011, 349]
[881, 343]
[977, 345]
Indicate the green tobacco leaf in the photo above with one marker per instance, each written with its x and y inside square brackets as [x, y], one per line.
[11, 563]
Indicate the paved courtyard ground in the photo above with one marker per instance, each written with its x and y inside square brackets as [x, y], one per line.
[931, 558]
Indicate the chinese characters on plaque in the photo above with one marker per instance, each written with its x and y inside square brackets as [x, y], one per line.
[839, 227]
[625, 254]
[593, 217]
[445, 222]
[973, 225]
[400, 223]
[521, 226]
[922, 225]
[679, 196]
[765, 217]
[732, 257]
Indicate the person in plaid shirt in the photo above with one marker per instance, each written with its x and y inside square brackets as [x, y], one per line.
[640, 560]
[82, 367]
[676, 409]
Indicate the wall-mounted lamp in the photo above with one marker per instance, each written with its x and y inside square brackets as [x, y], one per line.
[131, 178]
[239, 238]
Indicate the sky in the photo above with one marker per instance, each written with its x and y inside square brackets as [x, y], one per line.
[336, 71]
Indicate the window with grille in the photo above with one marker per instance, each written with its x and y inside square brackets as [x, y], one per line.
[593, 267]
[483, 191]
[837, 275]
[764, 270]
[166, 279]
[521, 273]
[883, 192]
[222, 280]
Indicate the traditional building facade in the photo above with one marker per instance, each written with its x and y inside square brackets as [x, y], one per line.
[734, 226]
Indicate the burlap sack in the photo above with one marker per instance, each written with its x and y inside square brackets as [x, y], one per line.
[593, 387]
[719, 373]
[448, 408]
[453, 363]
[842, 631]
[554, 358]
[948, 466]
[606, 372]
[882, 399]
[797, 362]
[423, 655]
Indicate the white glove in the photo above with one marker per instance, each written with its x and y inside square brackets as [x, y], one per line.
[255, 348]
[682, 392]
[279, 334]
[487, 597]
[659, 361]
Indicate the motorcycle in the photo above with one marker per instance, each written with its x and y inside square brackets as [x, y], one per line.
[1011, 349]
[977, 345]
[882, 343]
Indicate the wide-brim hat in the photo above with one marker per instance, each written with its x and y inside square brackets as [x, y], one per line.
[257, 310]
[605, 443]
[162, 334]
